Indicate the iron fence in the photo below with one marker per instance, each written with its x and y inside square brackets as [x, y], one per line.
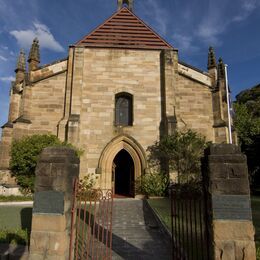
[91, 224]
[190, 238]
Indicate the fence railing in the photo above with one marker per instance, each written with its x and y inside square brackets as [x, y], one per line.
[91, 229]
[190, 239]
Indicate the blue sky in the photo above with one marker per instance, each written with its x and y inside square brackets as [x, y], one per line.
[231, 27]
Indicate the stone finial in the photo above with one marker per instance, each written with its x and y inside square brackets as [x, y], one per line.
[34, 55]
[211, 59]
[129, 3]
[221, 69]
[20, 66]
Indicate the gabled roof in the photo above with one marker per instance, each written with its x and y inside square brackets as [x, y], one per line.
[124, 30]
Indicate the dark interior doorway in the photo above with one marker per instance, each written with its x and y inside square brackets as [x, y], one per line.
[124, 174]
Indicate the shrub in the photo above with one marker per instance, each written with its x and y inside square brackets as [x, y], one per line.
[24, 156]
[153, 184]
[86, 190]
[87, 182]
[182, 152]
[188, 190]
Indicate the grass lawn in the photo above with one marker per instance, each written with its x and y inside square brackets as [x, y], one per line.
[15, 224]
[162, 206]
[256, 218]
[15, 198]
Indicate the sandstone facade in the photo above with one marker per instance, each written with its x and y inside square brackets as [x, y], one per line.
[75, 99]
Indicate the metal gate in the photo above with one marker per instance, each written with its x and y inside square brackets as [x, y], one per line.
[91, 223]
[190, 237]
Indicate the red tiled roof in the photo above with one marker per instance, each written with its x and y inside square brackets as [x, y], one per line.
[124, 30]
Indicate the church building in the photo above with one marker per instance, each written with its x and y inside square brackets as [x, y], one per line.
[120, 89]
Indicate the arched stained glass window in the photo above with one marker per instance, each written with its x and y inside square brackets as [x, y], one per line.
[124, 109]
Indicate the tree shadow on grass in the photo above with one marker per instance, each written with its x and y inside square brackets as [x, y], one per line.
[16, 242]
[12, 245]
[26, 221]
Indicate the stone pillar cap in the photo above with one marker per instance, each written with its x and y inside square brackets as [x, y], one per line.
[59, 154]
[220, 149]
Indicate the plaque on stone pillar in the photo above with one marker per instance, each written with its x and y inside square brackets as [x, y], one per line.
[49, 202]
[231, 207]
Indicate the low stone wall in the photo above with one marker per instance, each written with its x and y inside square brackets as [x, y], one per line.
[8, 184]
[6, 178]
[8, 190]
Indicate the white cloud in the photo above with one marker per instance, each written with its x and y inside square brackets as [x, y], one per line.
[157, 14]
[42, 32]
[3, 58]
[7, 79]
[4, 47]
[219, 18]
[209, 32]
[213, 23]
[185, 43]
[248, 6]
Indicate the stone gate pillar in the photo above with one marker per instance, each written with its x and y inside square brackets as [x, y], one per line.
[55, 173]
[229, 206]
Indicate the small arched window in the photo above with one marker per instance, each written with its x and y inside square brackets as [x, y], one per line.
[124, 109]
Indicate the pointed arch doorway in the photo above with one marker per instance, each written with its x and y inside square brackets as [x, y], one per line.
[123, 174]
[120, 151]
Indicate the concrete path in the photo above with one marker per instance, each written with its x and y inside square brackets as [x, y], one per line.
[17, 203]
[136, 233]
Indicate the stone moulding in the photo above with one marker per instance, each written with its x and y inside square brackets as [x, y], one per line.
[127, 143]
[21, 119]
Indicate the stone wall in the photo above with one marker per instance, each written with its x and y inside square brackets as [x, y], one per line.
[5, 144]
[48, 71]
[37, 110]
[47, 104]
[99, 74]
[6, 178]
[75, 99]
[194, 106]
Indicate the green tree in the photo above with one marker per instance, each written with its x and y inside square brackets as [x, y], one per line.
[182, 152]
[247, 124]
[24, 156]
[251, 98]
